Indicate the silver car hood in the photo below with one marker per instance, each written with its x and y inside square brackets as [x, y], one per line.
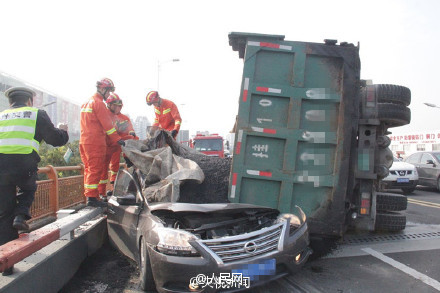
[204, 208]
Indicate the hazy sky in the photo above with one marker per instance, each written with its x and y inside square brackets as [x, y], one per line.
[66, 46]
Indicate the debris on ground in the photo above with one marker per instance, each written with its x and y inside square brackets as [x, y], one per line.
[107, 270]
[214, 187]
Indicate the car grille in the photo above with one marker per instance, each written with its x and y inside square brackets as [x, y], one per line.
[401, 172]
[240, 247]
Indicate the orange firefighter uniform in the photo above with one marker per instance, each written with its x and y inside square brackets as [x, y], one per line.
[125, 130]
[167, 116]
[96, 126]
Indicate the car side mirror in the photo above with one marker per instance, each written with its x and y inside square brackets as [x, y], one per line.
[430, 162]
[127, 200]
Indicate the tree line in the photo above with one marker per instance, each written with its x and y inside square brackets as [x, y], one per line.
[56, 157]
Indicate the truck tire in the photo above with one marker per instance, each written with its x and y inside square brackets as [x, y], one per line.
[390, 202]
[390, 93]
[389, 221]
[393, 115]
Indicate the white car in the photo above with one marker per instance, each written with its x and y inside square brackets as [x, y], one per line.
[402, 176]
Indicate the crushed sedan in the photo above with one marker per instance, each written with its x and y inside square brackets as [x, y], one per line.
[207, 247]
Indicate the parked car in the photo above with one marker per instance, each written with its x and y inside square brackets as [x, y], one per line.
[402, 176]
[176, 243]
[428, 167]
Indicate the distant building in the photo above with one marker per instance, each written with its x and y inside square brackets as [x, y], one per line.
[183, 137]
[140, 126]
[230, 138]
[60, 110]
[406, 143]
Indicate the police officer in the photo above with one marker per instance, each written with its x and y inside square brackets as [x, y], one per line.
[22, 128]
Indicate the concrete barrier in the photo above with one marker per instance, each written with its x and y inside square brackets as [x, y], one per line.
[44, 262]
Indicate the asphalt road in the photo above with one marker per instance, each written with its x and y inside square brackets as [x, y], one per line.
[406, 261]
[424, 206]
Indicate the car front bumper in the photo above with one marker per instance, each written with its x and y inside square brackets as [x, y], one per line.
[174, 273]
[394, 184]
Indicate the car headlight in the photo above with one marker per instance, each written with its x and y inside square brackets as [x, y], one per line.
[294, 220]
[175, 242]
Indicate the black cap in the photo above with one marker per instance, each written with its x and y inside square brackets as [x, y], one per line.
[14, 92]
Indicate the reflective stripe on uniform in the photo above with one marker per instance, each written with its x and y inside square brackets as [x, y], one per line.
[19, 142]
[178, 122]
[157, 111]
[166, 111]
[113, 172]
[87, 110]
[29, 129]
[91, 186]
[111, 131]
[103, 181]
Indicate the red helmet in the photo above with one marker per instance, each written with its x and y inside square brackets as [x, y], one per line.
[152, 97]
[114, 99]
[106, 83]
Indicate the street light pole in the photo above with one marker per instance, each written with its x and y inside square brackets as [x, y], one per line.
[47, 104]
[431, 105]
[159, 64]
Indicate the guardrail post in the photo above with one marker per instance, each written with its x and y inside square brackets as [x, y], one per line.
[82, 173]
[53, 192]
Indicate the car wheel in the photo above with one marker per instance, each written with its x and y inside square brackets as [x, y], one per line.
[390, 202]
[393, 115]
[390, 93]
[408, 190]
[390, 221]
[146, 275]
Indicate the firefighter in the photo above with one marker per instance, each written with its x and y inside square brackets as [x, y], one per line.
[22, 128]
[125, 129]
[96, 126]
[167, 114]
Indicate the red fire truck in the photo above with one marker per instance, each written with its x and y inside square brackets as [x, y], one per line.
[209, 144]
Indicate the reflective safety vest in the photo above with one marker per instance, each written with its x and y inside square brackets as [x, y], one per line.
[17, 131]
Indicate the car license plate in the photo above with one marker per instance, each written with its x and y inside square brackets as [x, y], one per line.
[402, 180]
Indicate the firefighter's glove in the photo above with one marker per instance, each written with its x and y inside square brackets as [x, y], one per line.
[121, 142]
[174, 133]
[128, 162]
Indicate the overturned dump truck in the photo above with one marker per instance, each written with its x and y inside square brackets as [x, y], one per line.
[310, 133]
